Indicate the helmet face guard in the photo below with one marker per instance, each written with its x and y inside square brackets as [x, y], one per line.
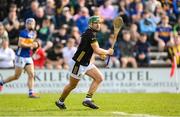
[29, 20]
[93, 19]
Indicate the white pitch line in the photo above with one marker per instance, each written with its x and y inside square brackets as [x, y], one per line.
[121, 114]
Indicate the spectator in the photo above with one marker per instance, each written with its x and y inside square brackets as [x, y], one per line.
[136, 15]
[55, 57]
[107, 11]
[45, 35]
[68, 52]
[61, 36]
[79, 4]
[50, 8]
[147, 24]
[114, 60]
[39, 57]
[12, 26]
[174, 48]
[82, 21]
[103, 35]
[124, 12]
[7, 55]
[151, 5]
[134, 33]
[176, 28]
[127, 50]
[65, 18]
[3, 34]
[39, 16]
[176, 6]
[29, 13]
[76, 35]
[163, 34]
[60, 4]
[142, 51]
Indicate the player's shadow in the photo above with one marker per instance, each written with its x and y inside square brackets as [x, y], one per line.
[46, 110]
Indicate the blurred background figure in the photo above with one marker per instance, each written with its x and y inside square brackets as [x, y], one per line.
[3, 34]
[127, 50]
[7, 56]
[82, 21]
[114, 60]
[68, 52]
[12, 25]
[55, 57]
[163, 34]
[39, 57]
[142, 51]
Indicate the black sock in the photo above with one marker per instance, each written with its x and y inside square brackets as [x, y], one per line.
[61, 99]
[89, 95]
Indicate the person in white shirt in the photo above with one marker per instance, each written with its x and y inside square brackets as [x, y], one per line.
[68, 52]
[7, 56]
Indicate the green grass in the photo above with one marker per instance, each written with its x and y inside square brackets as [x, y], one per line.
[162, 104]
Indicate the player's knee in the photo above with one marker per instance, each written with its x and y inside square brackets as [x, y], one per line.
[100, 79]
[16, 76]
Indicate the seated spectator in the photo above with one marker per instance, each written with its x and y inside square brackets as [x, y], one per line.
[103, 35]
[136, 15]
[174, 48]
[39, 57]
[75, 34]
[142, 51]
[39, 17]
[12, 26]
[163, 34]
[151, 5]
[107, 11]
[114, 60]
[127, 50]
[55, 57]
[134, 33]
[45, 35]
[3, 34]
[50, 8]
[176, 6]
[30, 12]
[124, 12]
[65, 18]
[176, 28]
[82, 21]
[68, 52]
[61, 36]
[147, 24]
[7, 55]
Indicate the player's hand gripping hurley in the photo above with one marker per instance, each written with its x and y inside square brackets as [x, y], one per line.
[117, 24]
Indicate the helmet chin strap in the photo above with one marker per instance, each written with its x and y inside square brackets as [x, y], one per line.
[93, 29]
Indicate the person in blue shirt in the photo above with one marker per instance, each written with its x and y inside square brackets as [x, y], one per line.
[23, 60]
[163, 34]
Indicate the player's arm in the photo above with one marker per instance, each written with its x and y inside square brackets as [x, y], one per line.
[101, 51]
[21, 43]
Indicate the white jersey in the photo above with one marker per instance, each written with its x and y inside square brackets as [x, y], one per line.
[7, 57]
[68, 53]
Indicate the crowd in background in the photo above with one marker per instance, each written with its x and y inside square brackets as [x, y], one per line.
[59, 24]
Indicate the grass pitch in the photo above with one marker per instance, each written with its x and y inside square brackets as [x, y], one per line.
[162, 104]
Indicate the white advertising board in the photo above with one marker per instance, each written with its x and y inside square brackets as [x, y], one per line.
[150, 80]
